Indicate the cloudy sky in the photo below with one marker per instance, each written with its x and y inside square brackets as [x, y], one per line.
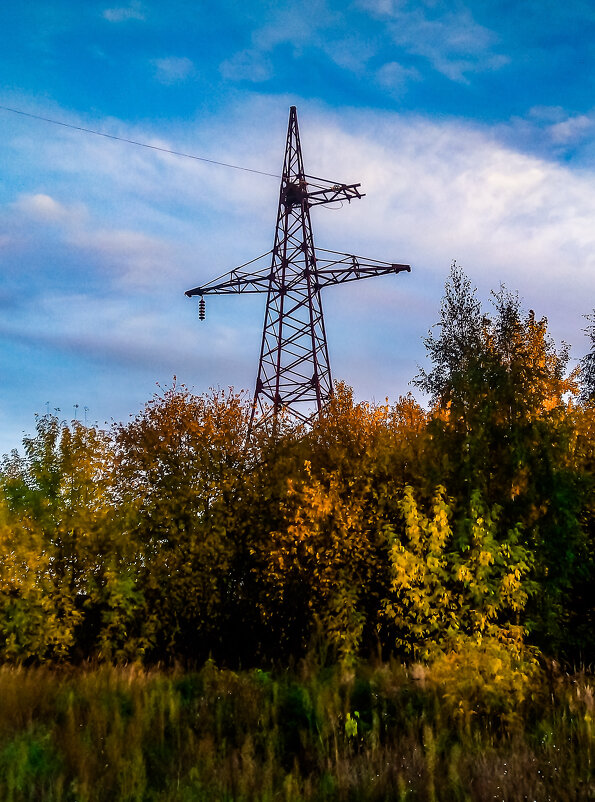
[470, 125]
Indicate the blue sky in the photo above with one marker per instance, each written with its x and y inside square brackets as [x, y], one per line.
[470, 125]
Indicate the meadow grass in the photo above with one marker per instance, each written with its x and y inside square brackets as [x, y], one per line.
[374, 732]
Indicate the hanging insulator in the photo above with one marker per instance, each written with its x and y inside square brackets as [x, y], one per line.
[201, 309]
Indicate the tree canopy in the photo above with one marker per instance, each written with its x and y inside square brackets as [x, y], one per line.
[386, 528]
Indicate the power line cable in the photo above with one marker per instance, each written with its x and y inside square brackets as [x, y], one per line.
[135, 142]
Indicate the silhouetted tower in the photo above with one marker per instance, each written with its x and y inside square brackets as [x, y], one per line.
[294, 371]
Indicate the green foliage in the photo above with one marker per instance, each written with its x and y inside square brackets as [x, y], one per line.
[447, 585]
[177, 468]
[380, 529]
[55, 523]
[499, 387]
[504, 424]
[457, 353]
[469, 725]
[29, 761]
[486, 676]
[588, 364]
[323, 560]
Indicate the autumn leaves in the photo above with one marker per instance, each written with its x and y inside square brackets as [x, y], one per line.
[386, 527]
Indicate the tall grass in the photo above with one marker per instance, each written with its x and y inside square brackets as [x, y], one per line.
[376, 732]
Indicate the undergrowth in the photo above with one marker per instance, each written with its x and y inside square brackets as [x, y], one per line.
[373, 732]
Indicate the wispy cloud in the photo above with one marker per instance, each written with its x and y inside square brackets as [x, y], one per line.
[397, 32]
[572, 129]
[173, 69]
[113, 332]
[131, 260]
[247, 65]
[442, 32]
[296, 25]
[107, 275]
[44, 208]
[552, 132]
[124, 13]
[117, 259]
[292, 32]
[396, 78]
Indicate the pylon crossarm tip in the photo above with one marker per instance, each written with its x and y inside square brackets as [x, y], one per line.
[237, 280]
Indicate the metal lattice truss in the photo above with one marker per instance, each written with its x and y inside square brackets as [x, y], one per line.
[294, 371]
[344, 267]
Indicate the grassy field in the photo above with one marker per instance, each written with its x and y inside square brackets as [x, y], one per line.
[374, 732]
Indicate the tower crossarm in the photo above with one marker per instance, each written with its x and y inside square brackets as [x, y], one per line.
[237, 280]
[327, 271]
[321, 190]
[348, 267]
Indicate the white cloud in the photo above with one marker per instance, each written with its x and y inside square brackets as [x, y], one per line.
[297, 24]
[43, 208]
[444, 33]
[438, 192]
[124, 13]
[132, 259]
[551, 131]
[247, 65]
[351, 51]
[173, 70]
[571, 130]
[138, 336]
[548, 114]
[395, 77]
[293, 28]
[157, 225]
[127, 259]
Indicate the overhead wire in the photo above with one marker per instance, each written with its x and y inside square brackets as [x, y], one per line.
[136, 142]
[159, 148]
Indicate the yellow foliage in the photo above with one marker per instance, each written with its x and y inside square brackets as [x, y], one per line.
[326, 550]
[444, 586]
[485, 675]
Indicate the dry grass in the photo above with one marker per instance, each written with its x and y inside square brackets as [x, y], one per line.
[382, 732]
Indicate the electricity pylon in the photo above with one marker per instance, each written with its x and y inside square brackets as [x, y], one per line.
[294, 372]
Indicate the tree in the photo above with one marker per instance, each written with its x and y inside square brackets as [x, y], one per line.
[457, 353]
[178, 473]
[503, 425]
[493, 382]
[588, 364]
[57, 538]
[326, 570]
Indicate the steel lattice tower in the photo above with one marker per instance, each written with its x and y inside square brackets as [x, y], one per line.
[294, 370]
